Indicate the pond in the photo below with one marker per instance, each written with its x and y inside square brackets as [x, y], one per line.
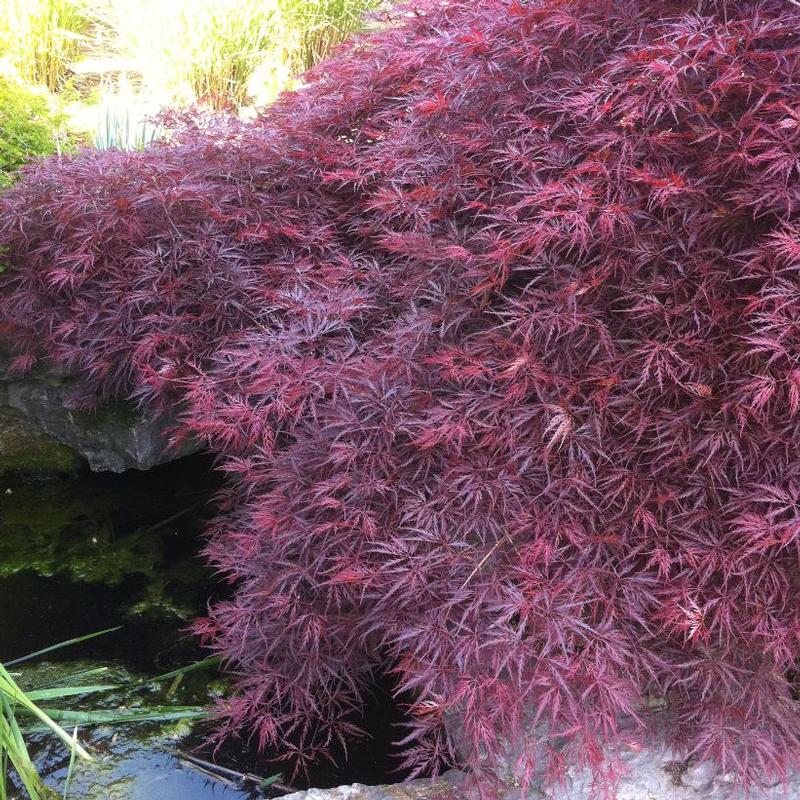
[106, 551]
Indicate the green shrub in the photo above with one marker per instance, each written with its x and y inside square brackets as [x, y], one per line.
[28, 128]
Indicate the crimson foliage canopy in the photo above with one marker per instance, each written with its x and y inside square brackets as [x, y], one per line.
[496, 327]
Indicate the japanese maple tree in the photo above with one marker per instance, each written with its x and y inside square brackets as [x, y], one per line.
[496, 327]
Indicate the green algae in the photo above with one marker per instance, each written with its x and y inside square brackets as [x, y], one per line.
[37, 457]
[69, 529]
[59, 529]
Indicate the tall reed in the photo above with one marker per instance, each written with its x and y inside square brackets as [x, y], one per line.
[322, 25]
[182, 50]
[212, 50]
[188, 50]
[39, 39]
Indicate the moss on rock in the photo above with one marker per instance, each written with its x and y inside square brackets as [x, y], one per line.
[25, 450]
[115, 413]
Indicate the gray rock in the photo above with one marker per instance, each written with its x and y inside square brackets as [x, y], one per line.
[700, 776]
[648, 774]
[656, 773]
[114, 439]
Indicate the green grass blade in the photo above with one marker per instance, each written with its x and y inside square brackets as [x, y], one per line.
[3, 764]
[60, 645]
[71, 768]
[116, 717]
[18, 697]
[73, 678]
[14, 747]
[206, 663]
[67, 691]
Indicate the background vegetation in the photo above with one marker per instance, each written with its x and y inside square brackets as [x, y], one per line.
[101, 68]
[40, 39]
[29, 126]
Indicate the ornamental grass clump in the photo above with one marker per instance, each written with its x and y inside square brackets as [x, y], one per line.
[495, 327]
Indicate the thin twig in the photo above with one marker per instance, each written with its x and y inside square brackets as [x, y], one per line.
[212, 774]
[175, 516]
[210, 766]
[484, 560]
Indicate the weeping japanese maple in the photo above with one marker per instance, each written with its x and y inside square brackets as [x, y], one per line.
[496, 326]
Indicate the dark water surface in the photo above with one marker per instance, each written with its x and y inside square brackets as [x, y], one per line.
[99, 551]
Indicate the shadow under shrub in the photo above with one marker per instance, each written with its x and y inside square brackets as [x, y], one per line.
[495, 324]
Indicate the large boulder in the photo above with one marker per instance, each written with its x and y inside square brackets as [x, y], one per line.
[41, 434]
[650, 773]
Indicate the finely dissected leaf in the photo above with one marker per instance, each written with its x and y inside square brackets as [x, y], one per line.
[495, 327]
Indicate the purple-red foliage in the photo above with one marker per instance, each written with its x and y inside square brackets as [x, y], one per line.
[497, 326]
